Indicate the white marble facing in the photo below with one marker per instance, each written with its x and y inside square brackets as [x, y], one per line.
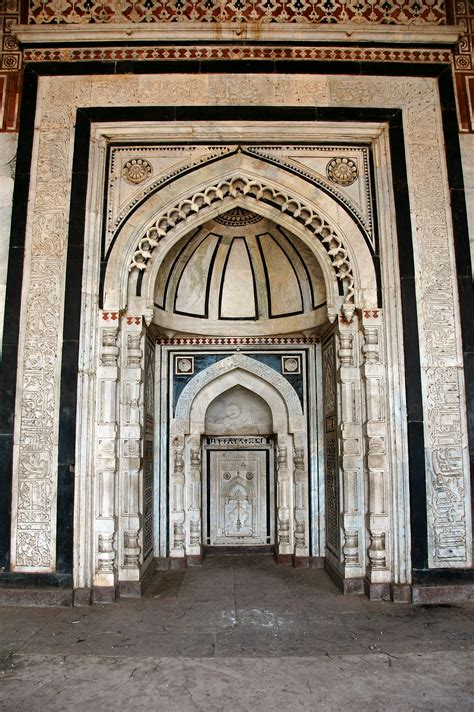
[8, 144]
[436, 287]
[467, 153]
[239, 412]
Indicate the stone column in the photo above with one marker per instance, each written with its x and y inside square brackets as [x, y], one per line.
[351, 481]
[378, 514]
[176, 490]
[148, 453]
[106, 459]
[193, 498]
[331, 454]
[284, 524]
[132, 431]
[300, 475]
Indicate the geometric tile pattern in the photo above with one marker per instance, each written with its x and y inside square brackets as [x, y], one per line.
[11, 12]
[461, 12]
[228, 52]
[394, 12]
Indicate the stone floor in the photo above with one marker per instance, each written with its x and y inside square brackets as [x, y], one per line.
[235, 635]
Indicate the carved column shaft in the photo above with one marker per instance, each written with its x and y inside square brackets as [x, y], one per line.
[106, 464]
[132, 430]
[300, 475]
[177, 513]
[193, 495]
[331, 454]
[148, 454]
[284, 498]
[351, 448]
[378, 515]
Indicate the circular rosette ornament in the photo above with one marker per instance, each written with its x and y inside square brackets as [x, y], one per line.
[342, 171]
[185, 365]
[291, 365]
[136, 171]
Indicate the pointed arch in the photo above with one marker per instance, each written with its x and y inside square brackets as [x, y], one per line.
[238, 369]
[239, 179]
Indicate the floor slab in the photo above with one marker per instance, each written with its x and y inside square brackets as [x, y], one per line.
[238, 634]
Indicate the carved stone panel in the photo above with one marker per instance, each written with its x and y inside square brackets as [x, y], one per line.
[238, 502]
[331, 448]
[148, 460]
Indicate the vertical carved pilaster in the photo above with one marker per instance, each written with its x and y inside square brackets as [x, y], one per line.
[331, 455]
[378, 515]
[148, 464]
[106, 464]
[285, 535]
[351, 448]
[193, 497]
[177, 513]
[132, 431]
[301, 507]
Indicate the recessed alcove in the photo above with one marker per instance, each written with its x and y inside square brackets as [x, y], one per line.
[240, 273]
[238, 411]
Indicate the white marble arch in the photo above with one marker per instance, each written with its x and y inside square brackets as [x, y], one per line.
[120, 280]
[188, 427]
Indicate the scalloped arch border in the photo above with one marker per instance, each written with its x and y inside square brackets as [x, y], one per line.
[261, 192]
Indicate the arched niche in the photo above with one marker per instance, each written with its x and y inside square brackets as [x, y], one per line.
[234, 370]
[267, 190]
[238, 411]
[239, 273]
[221, 380]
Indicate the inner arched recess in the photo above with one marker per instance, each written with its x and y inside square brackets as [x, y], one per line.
[240, 273]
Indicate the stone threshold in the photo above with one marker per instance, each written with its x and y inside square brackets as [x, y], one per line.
[45, 596]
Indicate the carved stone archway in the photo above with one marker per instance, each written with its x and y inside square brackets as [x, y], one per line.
[333, 235]
[187, 428]
[122, 543]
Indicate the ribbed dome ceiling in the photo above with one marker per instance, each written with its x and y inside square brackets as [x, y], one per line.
[240, 274]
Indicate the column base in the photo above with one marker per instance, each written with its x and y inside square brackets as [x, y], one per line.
[301, 562]
[349, 587]
[135, 589]
[401, 593]
[284, 559]
[104, 594]
[194, 560]
[82, 597]
[378, 591]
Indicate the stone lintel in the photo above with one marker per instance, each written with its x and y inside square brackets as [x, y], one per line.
[232, 31]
